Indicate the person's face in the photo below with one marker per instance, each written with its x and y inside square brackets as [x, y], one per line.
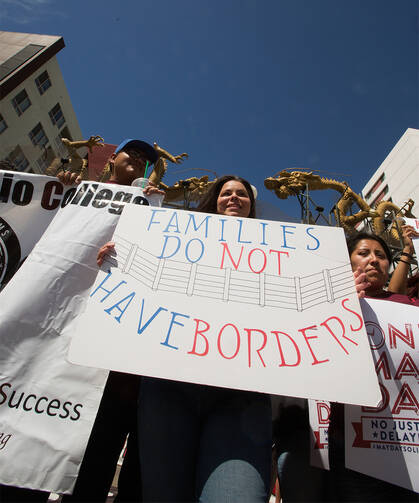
[233, 200]
[128, 165]
[370, 257]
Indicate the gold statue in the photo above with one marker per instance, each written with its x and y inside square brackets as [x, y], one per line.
[292, 183]
[160, 166]
[74, 163]
[191, 189]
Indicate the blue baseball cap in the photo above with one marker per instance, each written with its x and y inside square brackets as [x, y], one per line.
[139, 145]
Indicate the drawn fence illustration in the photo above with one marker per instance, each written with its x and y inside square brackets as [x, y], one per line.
[297, 293]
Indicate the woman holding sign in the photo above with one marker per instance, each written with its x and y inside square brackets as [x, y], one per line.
[370, 260]
[203, 443]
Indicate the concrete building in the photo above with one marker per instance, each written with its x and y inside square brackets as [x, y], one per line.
[35, 108]
[397, 179]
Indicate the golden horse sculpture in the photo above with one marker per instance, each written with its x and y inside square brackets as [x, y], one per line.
[291, 183]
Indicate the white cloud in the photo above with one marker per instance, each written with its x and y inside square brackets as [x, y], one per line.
[24, 11]
[28, 5]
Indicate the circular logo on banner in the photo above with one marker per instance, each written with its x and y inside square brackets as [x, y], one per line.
[10, 252]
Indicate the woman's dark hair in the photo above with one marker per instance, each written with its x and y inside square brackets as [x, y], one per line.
[352, 242]
[208, 203]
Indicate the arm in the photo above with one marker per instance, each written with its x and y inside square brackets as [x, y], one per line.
[398, 281]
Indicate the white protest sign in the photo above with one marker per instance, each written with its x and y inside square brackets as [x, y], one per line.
[231, 302]
[28, 203]
[319, 416]
[47, 405]
[384, 442]
[414, 222]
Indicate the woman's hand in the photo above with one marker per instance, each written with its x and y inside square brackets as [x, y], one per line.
[408, 234]
[152, 189]
[105, 250]
[361, 283]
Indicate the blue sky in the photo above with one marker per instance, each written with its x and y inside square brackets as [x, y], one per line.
[244, 86]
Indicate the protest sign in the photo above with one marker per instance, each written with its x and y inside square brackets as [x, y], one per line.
[414, 222]
[239, 303]
[384, 442]
[319, 416]
[47, 405]
[28, 203]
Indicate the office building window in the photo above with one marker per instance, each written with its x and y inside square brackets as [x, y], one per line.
[56, 116]
[375, 186]
[380, 196]
[21, 102]
[3, 124]
[17, 159]
[43, 82]
[38, 136]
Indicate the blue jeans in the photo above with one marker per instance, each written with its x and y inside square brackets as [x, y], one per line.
[202, 443]
[298, 480]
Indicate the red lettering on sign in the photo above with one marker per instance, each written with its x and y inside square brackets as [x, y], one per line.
[407, 367]
[249, 350]
[236, 330]
[283, 364]
[393, 332]
[382, 364]
[307, 338]
[225, 248]
[405, 400]
[201, 333]
[279, 258]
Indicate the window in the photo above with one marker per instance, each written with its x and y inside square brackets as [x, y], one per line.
[21, 102]
[43, 82]
[56, 116]
[3, 124]
[380, 196]
[375, 186]
[38, 136]
[18, 159]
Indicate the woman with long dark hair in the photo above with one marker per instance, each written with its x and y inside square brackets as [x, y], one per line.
[204, 443]
[370, 259]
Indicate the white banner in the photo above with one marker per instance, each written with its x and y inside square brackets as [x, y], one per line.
[319, 415]
[47, 405]
[384, 442]
[239, 303]
[28, 203]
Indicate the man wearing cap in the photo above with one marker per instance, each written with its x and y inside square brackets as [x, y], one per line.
[117, 413]
[128, 162]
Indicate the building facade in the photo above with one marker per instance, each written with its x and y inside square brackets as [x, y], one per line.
[397, 178]
[35, 107]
